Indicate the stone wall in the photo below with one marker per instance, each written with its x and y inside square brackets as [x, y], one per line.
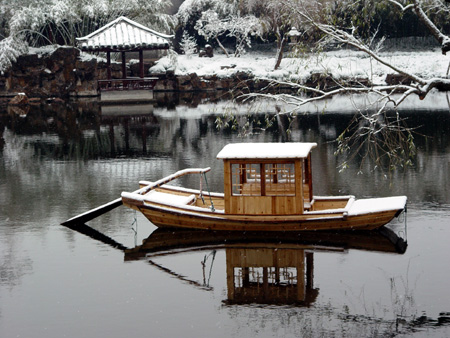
[192, 82]
[58, 73]
[62, 73]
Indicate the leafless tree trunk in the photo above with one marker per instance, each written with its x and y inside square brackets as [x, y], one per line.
[281, 43]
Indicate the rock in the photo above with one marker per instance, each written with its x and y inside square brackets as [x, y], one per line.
[19, 100]
[396, 79]
[27, 61]
[208, 51]
[21, 111]
[228, 67]
[320, 81]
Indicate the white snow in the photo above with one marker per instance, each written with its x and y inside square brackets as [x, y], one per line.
[372, 205]
[365, 206]
[340, 63]
[169, 199]
[266, 150]
[124, 33]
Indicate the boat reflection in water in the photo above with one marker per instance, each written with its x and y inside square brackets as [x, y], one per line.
[270, 275]
[264, 268]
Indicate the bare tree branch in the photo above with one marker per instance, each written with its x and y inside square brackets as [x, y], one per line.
[384, 92]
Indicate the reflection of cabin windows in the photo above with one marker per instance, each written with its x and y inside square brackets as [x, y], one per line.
[279, 179]
[257, 276]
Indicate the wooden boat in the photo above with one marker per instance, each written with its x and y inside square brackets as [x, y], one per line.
[267, 187]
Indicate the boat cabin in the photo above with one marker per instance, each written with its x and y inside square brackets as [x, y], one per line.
[267, 178]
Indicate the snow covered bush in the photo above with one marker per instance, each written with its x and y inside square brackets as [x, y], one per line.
[168, 63]
[188, 45]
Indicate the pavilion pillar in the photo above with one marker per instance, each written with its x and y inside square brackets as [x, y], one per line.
[124, 66]
[108, 65]
[141, 63]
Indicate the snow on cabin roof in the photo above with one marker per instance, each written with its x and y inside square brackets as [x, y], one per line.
[266, 150]
[124, 34]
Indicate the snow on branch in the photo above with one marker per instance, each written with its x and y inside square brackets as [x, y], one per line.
[383, 92]
[10, 49]
[443, 39]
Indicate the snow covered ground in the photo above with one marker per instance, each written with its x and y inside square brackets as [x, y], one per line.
[340, 63]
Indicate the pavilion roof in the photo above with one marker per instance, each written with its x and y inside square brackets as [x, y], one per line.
[124, 34]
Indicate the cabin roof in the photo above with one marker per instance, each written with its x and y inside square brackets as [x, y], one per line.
[289, 150]
[124, 34]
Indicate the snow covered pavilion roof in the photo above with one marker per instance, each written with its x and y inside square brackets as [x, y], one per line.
[124, 34]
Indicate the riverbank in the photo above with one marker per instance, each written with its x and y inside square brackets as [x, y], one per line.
[63, 72]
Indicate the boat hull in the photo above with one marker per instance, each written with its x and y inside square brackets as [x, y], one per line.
[171, 218]
[164, 215]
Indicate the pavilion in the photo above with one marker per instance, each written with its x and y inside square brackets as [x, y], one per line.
[123, 36]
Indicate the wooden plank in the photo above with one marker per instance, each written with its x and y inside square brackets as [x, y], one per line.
[94, 213]
[299, 186]
[227, 186]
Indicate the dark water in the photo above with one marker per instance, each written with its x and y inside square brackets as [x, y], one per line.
[62, 159]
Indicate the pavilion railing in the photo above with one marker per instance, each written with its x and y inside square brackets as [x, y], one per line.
[132, 83]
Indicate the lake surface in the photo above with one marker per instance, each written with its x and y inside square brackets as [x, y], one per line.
[63, 159]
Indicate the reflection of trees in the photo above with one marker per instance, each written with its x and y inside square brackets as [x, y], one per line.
[13, 265]
[83, 135]
[78, 132]
[383, 139]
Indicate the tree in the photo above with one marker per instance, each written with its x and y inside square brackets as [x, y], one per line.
[277, 19]
[43, 22]
[190, 11]
[373, 134]
[188, 44]
[212, 27]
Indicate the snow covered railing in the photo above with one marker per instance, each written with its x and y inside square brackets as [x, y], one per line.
[169, 201]
[184, 189]
[169, 178]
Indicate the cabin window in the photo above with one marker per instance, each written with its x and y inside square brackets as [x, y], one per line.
[246, 179]
[279, 179]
